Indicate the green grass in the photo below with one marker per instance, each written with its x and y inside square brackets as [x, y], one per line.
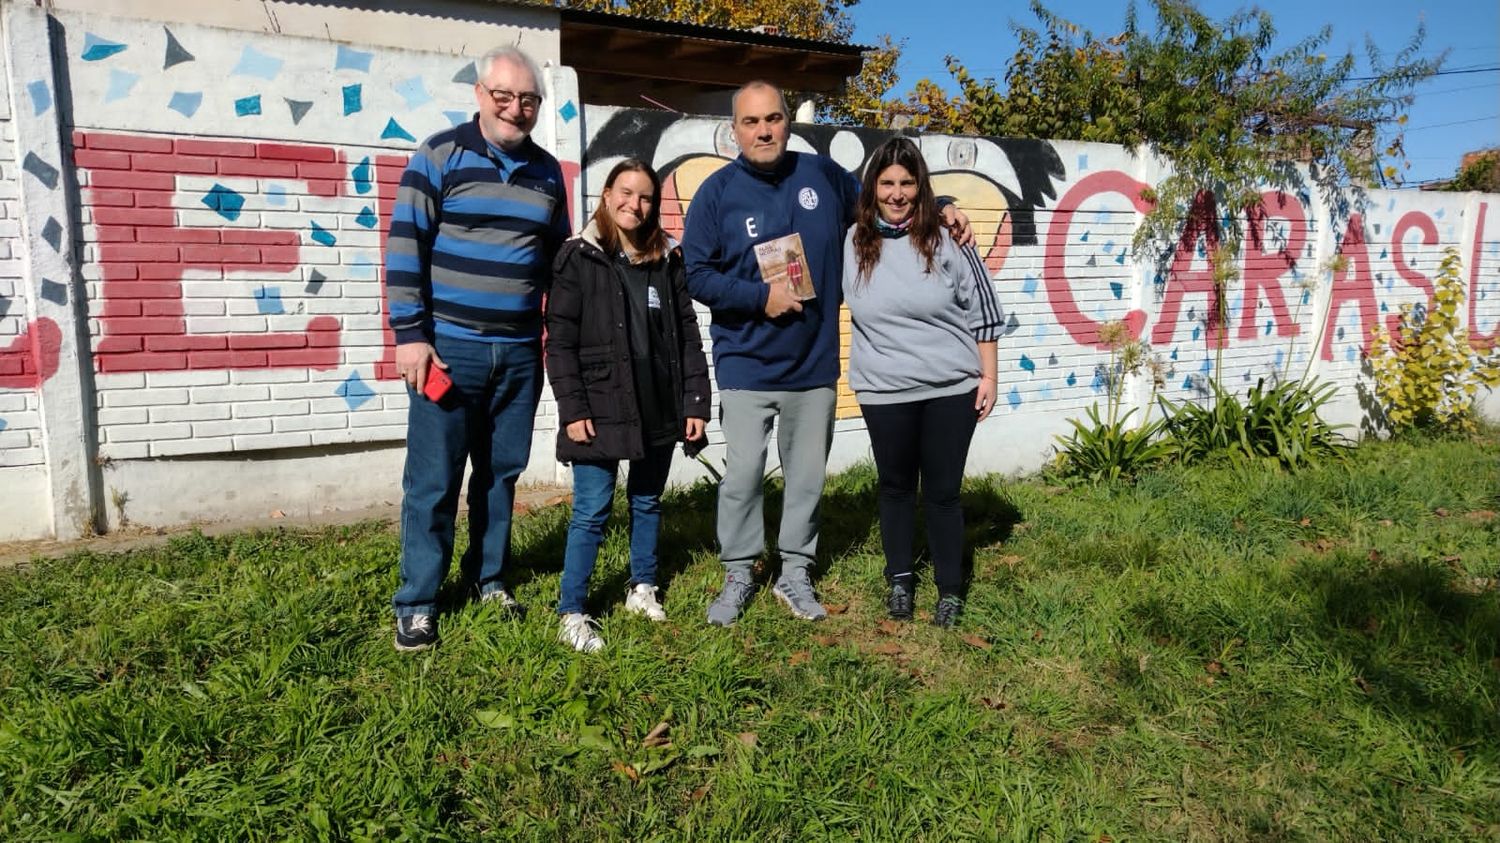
[1209, 654]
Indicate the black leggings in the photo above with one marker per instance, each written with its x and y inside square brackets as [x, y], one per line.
[928, 438]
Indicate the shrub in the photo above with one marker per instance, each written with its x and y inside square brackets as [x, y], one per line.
[1428, 374]
[1110, 450]
[1280, 424]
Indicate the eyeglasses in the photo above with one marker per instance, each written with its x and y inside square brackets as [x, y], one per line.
[529, 101]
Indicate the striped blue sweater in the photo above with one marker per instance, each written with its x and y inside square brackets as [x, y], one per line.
[473, 233]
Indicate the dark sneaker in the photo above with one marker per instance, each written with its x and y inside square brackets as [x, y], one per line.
[499, 595]
[726, 608]
[898, 602]
[416, 632]
[795, 590]
[947, 611]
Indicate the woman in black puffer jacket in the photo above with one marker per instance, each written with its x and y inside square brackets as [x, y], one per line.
[626, 363]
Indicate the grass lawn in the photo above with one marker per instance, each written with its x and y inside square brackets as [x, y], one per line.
[1210, 654]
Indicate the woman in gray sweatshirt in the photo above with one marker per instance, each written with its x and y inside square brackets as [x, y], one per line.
[921, 362]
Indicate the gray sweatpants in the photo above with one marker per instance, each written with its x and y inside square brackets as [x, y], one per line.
[804, 432]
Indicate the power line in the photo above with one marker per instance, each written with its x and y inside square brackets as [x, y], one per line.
[1454, 123]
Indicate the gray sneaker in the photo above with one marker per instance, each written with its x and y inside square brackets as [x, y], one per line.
[726, 608]
[795, 590]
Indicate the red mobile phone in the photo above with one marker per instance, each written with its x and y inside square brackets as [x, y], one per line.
[437, 383]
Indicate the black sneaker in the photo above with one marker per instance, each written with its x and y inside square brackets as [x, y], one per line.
[416, 632]
[898, 602]
[946, 613]
[499, 595]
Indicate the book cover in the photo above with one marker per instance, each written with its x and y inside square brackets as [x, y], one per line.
[784, 261]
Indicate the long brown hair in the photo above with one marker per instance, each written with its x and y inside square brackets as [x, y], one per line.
[653, 240]
[925, 231]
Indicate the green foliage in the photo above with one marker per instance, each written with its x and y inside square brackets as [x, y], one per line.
[1481, 174]
[1280, 426]
[1107, 450]
[1212, 97]
[1265, 656]
[1428, 375]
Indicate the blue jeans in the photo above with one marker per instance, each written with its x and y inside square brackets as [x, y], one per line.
[487, 417]
[593, 495]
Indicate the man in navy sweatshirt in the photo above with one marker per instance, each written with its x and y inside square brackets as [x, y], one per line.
[480, 213]
[775, 356]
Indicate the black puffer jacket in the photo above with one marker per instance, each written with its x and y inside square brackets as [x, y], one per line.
[588, 353]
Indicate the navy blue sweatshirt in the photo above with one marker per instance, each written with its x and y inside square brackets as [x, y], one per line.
[738, 207]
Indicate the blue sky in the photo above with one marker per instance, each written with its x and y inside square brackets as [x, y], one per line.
[1452, 114]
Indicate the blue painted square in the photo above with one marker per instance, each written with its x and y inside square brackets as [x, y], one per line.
[1207, 366]
[1045, 392]
[41, 96]
[1280, 357]
[1072, 379]
[568, 111]
[1041, 331]
[1187, 383]
[1350, 354]
[1013, 398]
[351, 59]
[120, 83]
[1027, 364]
[1097, 384]
[355, 392]
[186, 103]
[413, 92]
[4, 424]
[227, 202]
[367, 217]
[247, 106]
[362, 176]
[1028, 286]
[256, 64]
[1115, 287]
[353, 99]
[322, 235]
[1109, 247]
[268, 301]
[1120, 258]
[96, 48]
[363, 267]
[457, 118]
[1173, 355]
[276, 195]
[1197, 331]
[1083, 162]
[1269, 325]
[1084, 238]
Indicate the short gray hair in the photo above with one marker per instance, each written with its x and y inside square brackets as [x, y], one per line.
[758, 85]
[514, 55]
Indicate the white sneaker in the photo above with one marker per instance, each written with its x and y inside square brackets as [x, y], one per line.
[579, 631]
[640, 599]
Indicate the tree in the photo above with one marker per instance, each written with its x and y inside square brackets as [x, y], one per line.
[1478, 171]
[1231, 114]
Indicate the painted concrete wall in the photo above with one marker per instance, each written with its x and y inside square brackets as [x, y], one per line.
[191, 241]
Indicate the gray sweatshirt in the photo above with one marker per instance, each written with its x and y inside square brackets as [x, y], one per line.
[915, 333]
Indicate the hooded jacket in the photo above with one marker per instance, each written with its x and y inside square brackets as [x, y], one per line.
[588, 353]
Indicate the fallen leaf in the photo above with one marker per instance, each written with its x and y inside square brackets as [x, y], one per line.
[824, 640]
[747, 738]
[1104, 838]
[1374, 555]
[1441, 512]
[1372, 625]
[836, 608]
[1360, 683]
[888, 627]
[1141, 661]
[1214, 667]
[976, 641]
[1054, 491]
[1386, 522]
[658, 735]
[700, 791]
[1036, 635]
[1305, 522]
[625, 770]
[1238, 525]
[993, 703]
[1010, 560]
[1453, 559]
[800, 657]
[887, 648]
[1480, 515]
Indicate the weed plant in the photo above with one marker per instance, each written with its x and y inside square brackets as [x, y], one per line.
[1212, 653]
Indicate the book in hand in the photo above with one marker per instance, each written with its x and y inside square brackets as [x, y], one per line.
[784, 261]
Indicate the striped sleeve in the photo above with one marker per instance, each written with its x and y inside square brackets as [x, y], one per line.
[408, 256]
[986, 318]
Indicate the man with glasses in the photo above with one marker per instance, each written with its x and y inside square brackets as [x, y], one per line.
[479, 216]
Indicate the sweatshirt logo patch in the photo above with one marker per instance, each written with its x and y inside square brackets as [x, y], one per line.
[808, 198]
